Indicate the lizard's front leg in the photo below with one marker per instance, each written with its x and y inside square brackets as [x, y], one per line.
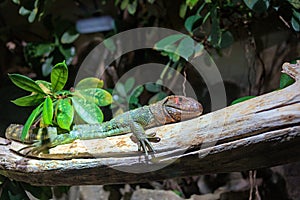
[143, 139]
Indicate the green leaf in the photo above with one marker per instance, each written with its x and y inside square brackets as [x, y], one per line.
[185, 48]
[32, 15]
[182, 10]
[38, 49]
[67, 52]
[167, 41]
[285, 80]
[25, 83]
[45, 86]
[241, 99]
[157, 97]
[47, 111]
[96, 95]
[39, 192]
[226, 39]
[124, 4]
[258, 6]
[89, 112]
[59, 76]
[23, 11]
[121, 89]
[153, 87]
[190, 21]
[69, 36]
[129, 84]
[13, 190]
[65, 114]
[30, 100]
[131, 7]
[109, 43]
[47, 66]
[191, 3]
[295, 3]
[35, 113]
[90, 82]
[215, 28]
[295, 21]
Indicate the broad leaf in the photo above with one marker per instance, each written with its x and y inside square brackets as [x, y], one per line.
[96, 95]
[59, 76]
[185, 48]
[285, 80]
[121, 89]
[129, 84]
[47, 66]
[35, 113]
[89, 112]
[30, 100]
[47, 111]
[157, 97]
[295, 21]
[90, 82]
[190, 21]
[69, 36]
[226, 39]
[65, 114]
[241, 99]
[167, 41]
[25, 83]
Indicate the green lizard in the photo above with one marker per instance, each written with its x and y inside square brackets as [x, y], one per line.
[169, 110]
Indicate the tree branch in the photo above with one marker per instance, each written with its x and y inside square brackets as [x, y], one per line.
[261, 132]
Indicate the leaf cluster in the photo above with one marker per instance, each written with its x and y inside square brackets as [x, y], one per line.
[59, 107]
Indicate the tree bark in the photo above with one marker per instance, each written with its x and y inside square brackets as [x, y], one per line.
[261, 132]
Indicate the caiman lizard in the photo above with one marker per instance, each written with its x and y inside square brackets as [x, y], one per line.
[169, 110]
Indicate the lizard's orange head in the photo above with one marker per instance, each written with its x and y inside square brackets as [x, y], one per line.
[181, 108]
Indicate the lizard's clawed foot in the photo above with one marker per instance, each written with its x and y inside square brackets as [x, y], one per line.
[144, 143]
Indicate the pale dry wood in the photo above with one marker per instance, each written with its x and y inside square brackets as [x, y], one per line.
[261, 132]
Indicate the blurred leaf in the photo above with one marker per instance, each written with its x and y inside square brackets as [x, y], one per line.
[121, 89]
[32, 15]
[241, 99]
[35, 113]
[152, 87]
[16, 1]
[215, 28]
[167, 41]
[185, 48]
[226, 39]
[38, 49]
[39, 192]
[67, 52]
[258, 6]
[131, 7]
[47, 66]
[295, 21]
[89, 112]
[182, 10]
[190, 21]
[285, 80]
[109, 43]
[191, 3]
[25, 83]
[157, 97]
[295, 3]
[129, 84]
[30, 100]
[47, 111]
[90, 82]
[13, 191]
[96, 95]
[23, 11]
[124, 4]
[45, 86]
[65, 114]
[133, 99]
[69, 36]
[198, 49]
[59, 76]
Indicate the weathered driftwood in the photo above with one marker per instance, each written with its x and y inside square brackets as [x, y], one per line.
[261, 132]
